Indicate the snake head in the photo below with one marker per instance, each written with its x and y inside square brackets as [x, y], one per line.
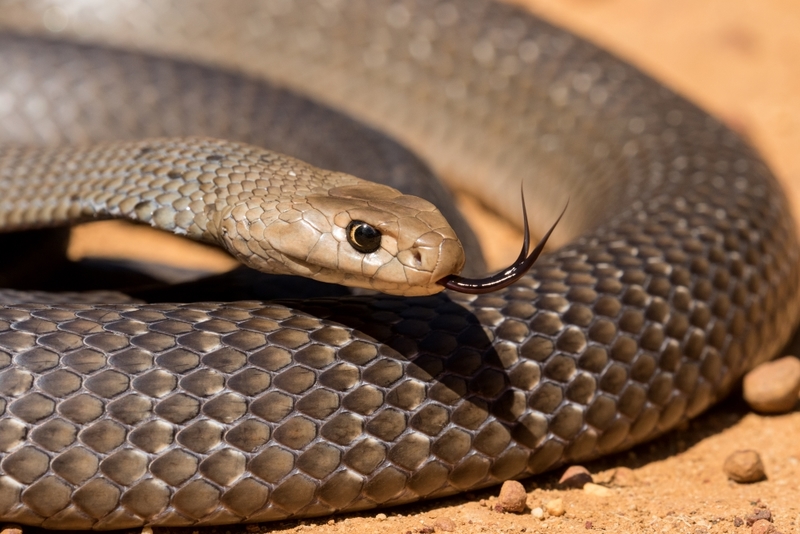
[357, 234]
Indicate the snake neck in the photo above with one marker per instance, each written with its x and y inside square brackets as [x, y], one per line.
[271, 212]
[181, 185]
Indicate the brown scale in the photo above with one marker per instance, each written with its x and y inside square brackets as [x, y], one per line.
[680, 274]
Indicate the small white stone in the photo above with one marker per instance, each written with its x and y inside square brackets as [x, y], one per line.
[555, 508]
[538, 513]
[597, 490]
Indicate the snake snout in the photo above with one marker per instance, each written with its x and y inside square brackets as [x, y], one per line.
[431, 257]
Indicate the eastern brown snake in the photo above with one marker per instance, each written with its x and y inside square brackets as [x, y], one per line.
[680, 272]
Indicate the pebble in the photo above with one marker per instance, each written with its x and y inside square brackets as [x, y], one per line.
[512, 497]
[576, 476]
[623, 477]
[757, 515]
[744, 467]
[538, 512]
[597, 490]
[444, 524]
[555, 508]
[381, 517]
[762, 526]
[147, 530]
[773, 387]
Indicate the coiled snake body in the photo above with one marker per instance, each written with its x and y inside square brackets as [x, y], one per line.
[681, 270]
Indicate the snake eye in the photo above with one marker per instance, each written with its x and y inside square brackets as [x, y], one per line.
[363, 237]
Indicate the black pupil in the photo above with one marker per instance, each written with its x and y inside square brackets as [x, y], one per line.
[363, 237]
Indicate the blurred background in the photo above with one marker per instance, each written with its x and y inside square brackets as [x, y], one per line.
[738, 59]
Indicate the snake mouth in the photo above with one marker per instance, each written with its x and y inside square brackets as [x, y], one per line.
[512, 273]
[313, 269]
[300, 267]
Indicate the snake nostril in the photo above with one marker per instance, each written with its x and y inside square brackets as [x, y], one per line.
[417, 257]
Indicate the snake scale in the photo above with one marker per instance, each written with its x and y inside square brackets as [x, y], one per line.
[679, 272]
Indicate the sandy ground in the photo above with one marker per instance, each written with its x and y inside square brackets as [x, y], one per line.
[740, 59]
